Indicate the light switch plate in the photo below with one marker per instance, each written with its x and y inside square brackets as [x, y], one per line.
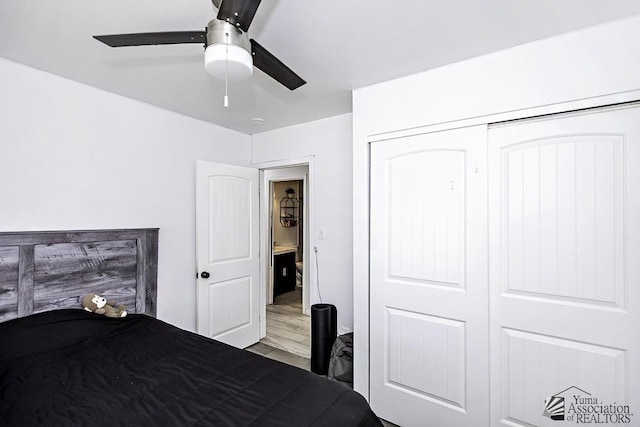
[321, 233]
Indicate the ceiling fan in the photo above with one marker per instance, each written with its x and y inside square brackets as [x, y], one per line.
[229, 53]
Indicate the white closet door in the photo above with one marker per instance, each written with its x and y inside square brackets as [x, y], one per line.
[565, 269]
[429, 336]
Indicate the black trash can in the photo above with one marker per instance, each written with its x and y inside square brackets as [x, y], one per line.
[324, 329]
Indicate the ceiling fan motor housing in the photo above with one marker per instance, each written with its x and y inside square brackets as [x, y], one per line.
[228, 52]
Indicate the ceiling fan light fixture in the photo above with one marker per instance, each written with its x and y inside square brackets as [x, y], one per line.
[229, 52]
[228, 60]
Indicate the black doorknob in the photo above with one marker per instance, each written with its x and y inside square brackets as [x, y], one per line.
[204, 275]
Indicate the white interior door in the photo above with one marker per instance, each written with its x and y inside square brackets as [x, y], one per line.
[565, 269]
[429, 324]
[227, 253]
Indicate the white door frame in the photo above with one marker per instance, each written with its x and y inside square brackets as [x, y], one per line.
[309, 276]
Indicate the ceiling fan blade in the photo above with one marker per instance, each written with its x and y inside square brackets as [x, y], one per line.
[265, 61]
[145, 39]
[238, 12]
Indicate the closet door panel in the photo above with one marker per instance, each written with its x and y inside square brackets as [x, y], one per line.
[429, 336]
[564, 250]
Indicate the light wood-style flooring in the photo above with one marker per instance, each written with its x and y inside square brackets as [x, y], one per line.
[288, 331]
[280, 355]
[287, 327]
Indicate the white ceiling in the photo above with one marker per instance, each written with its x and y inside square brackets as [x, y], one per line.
[336, 45]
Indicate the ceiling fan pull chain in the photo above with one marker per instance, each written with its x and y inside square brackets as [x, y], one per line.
[226, 73]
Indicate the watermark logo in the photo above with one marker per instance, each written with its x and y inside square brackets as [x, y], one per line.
[554, 408]
[580, 407]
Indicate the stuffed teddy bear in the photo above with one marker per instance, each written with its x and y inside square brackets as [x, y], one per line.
[99, 305]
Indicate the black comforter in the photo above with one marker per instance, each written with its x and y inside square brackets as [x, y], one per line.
[74, 368]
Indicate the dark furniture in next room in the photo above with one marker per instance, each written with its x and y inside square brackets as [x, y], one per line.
[284, 273]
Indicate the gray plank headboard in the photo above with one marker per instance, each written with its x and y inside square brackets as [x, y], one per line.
[47, 270]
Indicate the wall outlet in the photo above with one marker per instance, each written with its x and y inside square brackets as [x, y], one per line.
[321, 233]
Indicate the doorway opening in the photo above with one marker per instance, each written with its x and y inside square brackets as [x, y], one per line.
[287, 238]
[286, 276]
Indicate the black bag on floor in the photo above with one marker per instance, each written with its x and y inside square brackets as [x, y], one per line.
[341, 361]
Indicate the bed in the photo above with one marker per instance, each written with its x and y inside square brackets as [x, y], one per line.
[61, 365]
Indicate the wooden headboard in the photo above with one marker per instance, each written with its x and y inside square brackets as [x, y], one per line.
[47, 270]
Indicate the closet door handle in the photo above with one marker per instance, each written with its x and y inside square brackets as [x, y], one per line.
[204, 275]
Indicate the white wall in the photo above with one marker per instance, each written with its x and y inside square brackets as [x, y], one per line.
[587, 68]
[76, 157]
[329, 141]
